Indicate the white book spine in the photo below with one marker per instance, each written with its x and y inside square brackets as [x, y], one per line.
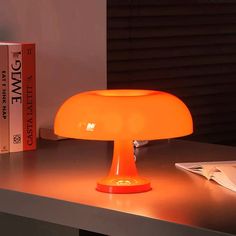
[4, 109]
[15, 98]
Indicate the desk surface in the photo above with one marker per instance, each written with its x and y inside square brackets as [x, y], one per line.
[56, 183]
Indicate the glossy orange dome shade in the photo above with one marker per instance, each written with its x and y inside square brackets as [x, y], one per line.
[123, 116]
[131, 114]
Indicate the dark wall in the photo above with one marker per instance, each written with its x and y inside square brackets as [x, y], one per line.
[187, 48]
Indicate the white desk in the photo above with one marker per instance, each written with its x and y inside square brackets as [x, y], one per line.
[57, 183]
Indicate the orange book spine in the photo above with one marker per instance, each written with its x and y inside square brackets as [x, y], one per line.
[4, 105]
[29, 97]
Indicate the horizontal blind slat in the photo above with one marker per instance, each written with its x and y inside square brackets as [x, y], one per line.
[167, 21]
[166, 73]
[149, 64]
[182, 82]
[168, 10]
[167, 42]
[128, 3]
[134, 54]
[171, 31]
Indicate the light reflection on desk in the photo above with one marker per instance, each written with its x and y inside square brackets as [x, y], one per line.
[69, 170]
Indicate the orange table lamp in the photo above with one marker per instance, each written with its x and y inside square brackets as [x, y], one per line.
[123, 116]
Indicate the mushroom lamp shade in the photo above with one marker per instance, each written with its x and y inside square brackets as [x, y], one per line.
[123, 116]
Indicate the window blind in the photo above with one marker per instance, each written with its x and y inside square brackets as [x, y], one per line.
[187, 48]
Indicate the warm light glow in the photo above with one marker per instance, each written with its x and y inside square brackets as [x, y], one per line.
[123, 116]
[111, 114]
[123, 93]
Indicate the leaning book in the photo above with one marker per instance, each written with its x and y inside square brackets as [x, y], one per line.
[222, 172]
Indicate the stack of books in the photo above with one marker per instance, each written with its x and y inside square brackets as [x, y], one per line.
[17, 97]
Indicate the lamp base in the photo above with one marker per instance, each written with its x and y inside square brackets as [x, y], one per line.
[123, 185]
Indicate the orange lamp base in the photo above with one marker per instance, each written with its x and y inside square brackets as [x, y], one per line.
[123, 176]
[123, 185]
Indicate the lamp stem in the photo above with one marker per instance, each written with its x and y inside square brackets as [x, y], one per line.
[123, 163]
[123, 176]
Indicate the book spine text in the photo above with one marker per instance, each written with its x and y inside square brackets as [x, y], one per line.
[4, 118]
[15, 98]
[29, 97]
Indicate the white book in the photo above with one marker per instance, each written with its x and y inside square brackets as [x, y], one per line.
[15, 97]
[222, 172]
